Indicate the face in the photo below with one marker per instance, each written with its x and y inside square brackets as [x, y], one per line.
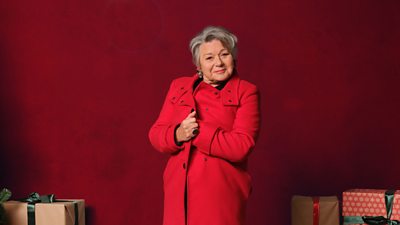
[216, 62]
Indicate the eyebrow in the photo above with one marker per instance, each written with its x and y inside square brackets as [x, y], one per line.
[218, 52]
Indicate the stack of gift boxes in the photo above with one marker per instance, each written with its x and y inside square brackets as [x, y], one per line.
[358, 206]
[43, 210]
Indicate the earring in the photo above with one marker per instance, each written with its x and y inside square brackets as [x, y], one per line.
[200, 74]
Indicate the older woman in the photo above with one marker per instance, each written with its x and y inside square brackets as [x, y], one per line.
[208, 125]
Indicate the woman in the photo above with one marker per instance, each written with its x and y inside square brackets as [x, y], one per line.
[208, 124]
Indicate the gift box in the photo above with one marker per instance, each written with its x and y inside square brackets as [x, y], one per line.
[371, 206]
[58, 212]
[315, 210]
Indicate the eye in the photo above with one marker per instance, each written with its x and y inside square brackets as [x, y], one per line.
[208, 58]
[225, 54]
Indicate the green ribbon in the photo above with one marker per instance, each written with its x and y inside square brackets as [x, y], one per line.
[36, 198]
[5, 194]
[32, 200]
[376, 220]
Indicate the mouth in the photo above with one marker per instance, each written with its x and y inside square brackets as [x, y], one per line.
[220, 71]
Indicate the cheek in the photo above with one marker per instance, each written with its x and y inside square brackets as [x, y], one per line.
[205, 66]
[231, 64]
[229, 61]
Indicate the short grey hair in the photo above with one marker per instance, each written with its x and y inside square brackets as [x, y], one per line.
[210, 33]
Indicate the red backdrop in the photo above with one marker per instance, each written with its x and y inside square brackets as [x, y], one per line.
[82, 81]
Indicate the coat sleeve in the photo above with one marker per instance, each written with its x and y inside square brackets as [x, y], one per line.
[162, 133]
[233, 145]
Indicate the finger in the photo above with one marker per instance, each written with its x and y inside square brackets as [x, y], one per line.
[190, 126]
[187, 123]
[189, 133]
[191, 115]
[190, 120]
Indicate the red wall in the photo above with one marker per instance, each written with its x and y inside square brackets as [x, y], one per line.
[82, 81]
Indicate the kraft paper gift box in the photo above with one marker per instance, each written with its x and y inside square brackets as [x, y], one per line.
[373, 206]
[315, 210]
[60, 212]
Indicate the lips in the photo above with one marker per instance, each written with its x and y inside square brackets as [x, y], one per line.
[220, 71]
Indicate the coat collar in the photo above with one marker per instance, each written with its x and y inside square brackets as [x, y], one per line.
[229, 93]
[184, 92]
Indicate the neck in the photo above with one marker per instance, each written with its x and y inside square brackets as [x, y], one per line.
[212, 83]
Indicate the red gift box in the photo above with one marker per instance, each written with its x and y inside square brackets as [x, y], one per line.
[361, 204]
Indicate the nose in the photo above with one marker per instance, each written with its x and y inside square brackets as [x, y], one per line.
[218, 61]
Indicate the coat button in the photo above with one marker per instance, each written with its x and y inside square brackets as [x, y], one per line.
[184, 166]
[229, 91]
[205, 159]
[229, 100]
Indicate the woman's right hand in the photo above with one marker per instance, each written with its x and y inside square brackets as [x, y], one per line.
[185, 129]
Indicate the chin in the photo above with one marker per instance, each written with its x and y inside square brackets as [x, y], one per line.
[225, 77]
[221, 79]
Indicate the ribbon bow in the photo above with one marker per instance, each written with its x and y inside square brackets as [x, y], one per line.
[376, 220]
[36, 198]
[5, 194]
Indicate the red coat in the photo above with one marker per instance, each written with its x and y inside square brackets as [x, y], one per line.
[213, 164]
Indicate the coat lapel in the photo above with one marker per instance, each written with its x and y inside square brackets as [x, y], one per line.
[229, 93]
[184, 93]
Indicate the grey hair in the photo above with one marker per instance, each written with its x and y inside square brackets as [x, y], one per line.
[210, 33]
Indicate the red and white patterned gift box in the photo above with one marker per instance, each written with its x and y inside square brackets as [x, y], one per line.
[369, 202]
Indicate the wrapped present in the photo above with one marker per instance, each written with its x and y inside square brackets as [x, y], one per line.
[5, 194]
[45, 210]
[315, 210]
[371, 206]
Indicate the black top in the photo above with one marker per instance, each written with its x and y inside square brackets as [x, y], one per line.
[219, 87]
